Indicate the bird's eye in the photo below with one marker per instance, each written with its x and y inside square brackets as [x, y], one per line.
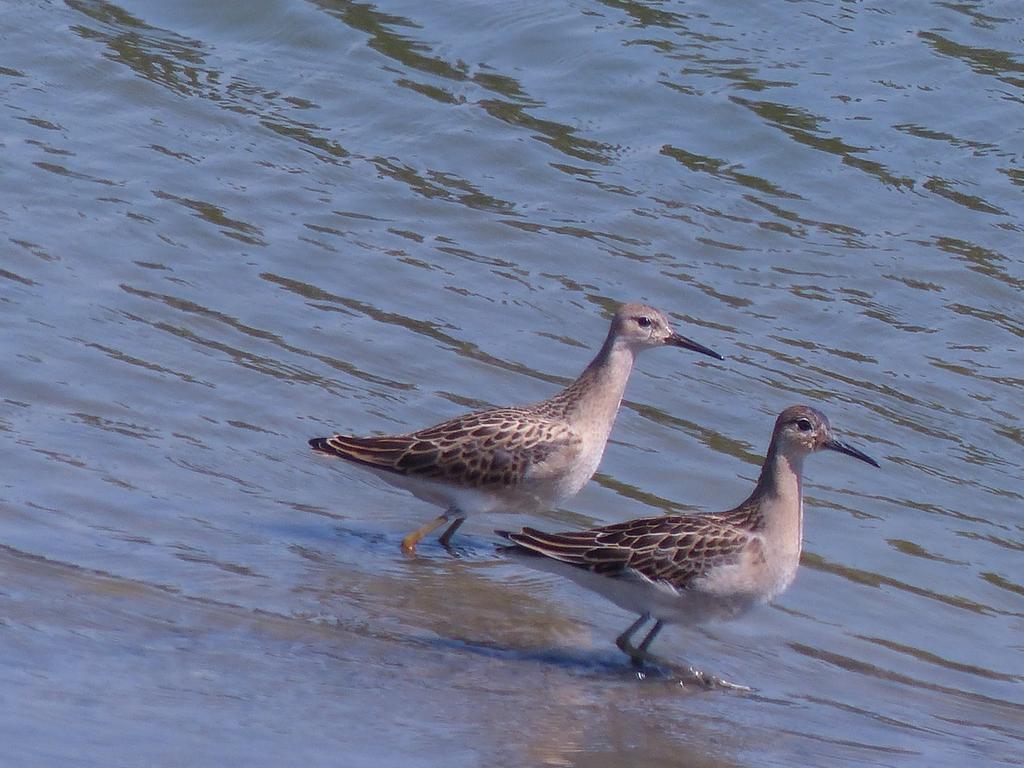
[643, 321]
[803, 425]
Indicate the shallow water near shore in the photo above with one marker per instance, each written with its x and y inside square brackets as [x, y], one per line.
[228, 228]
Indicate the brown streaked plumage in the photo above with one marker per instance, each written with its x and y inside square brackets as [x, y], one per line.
[479, 450]
[695, 568]
[518, 457]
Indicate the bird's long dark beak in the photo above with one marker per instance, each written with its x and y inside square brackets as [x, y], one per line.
[835, 445]
[677, 340]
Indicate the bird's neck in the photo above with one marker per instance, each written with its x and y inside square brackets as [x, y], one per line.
[778, 497]
[596, 394]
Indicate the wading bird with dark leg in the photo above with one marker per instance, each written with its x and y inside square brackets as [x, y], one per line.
[516, 458]
[694, 568]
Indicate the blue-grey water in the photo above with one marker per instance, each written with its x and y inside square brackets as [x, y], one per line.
[228, 227]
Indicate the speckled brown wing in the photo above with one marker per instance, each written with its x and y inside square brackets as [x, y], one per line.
[674, 550]
[500, 447]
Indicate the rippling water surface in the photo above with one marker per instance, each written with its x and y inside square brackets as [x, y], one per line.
[228, 227]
